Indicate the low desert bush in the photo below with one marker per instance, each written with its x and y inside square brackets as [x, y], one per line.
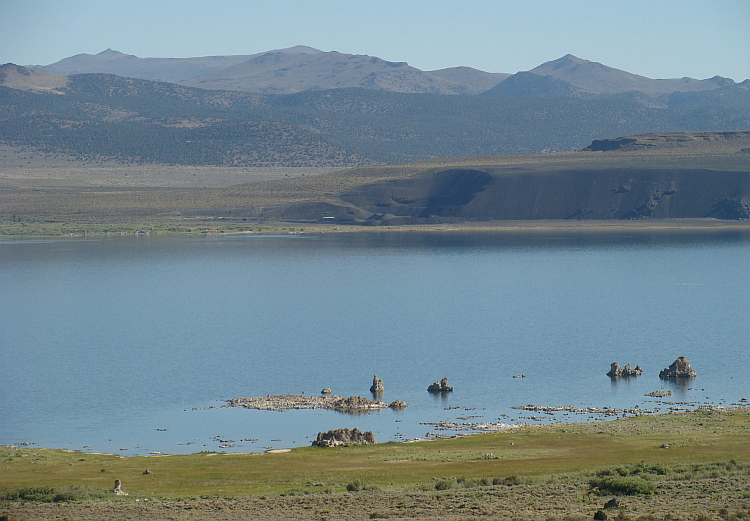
[507, 481]
[357, 485]
[445, 484]
[51, 494]
[637, 469]
[622, 486]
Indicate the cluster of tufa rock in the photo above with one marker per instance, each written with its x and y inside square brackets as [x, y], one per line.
[286, 402]
[441, 387]
[616, 370]
[337, 437]
[680, 368]
[377, 385]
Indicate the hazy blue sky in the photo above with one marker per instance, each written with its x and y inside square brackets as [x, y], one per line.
[655, 38]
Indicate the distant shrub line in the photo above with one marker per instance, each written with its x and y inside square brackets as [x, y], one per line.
[51, 494]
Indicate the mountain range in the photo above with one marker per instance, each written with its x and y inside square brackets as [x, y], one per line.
[302, 68]
[304, 107]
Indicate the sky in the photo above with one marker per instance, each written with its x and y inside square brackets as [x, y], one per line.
[653, 38]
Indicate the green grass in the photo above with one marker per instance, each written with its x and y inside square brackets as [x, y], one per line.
[628, 448]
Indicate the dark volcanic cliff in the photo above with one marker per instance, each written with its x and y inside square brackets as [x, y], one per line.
[674, 187]
[477, 195]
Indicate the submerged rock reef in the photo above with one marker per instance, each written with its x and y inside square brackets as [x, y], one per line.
[286, 402]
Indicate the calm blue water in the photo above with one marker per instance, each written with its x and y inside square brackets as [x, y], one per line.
[133, 343]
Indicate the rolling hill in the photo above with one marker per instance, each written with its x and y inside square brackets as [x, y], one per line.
[155, 69]
[597, 78]
[279, 72]
[27, 79]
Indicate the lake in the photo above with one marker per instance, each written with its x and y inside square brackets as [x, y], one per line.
[130, 345]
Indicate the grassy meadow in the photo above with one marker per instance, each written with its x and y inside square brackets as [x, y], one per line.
[677, 442]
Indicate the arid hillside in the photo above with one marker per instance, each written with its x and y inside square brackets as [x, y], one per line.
[646, 177]
[685, 175]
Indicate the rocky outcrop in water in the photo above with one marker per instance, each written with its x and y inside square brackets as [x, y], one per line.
[605, 411]
[659, 394]
[338, 437]
[377, 385]
[286, 402]
[680, 368]
[441, 387]
[615, 370]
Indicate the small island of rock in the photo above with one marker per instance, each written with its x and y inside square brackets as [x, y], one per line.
[377, 385]
[615, 370]
[286, 402]
[680, 368]
[441, 387]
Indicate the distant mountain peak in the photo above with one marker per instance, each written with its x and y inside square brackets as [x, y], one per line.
[111, 53]
[592, 76]
[572, 58]
[300, 49]
[566, 61]
[597, 78]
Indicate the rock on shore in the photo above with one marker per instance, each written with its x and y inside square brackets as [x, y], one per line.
[680, 368]
[337, 437]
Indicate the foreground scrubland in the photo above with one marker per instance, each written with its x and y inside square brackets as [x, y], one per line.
[688, 466]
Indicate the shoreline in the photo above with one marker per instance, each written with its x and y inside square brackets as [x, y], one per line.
[462, 430]
[528, 450]
[444, 430]
[146, 229]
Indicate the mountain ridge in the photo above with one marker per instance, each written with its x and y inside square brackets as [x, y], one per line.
[108, 117]
[598, 78]
[303, 68]
[171, 70]
[277, 72]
